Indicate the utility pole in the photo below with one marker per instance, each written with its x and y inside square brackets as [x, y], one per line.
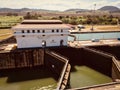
[117, 22]
[93, 17]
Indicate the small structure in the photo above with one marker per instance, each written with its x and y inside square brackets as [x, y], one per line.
[41, 33]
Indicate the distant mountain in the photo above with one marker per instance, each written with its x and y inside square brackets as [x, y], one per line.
[110, 9]
[76, 10]
[21, 10]
[24, 10]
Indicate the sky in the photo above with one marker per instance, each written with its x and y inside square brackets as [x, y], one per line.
[60, 5]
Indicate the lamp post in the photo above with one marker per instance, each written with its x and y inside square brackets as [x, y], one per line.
[92, 18]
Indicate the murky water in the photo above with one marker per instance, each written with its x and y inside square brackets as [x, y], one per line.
[84, 76]
[16, 81]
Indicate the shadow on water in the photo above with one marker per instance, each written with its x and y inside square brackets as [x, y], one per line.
[26, 74]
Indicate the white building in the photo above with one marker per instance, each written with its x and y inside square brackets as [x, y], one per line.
[39, 33]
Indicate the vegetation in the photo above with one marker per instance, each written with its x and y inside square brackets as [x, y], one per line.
[30, 16]
[4, 36]
[5, 33]
[12, 19]
[98, 20]
[9, 21]
[83, 19]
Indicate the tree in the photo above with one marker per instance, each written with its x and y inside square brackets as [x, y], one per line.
[35, 16]
[67, 16]
[60, 17]
[88, 21]
[9, 14]
[28, 16]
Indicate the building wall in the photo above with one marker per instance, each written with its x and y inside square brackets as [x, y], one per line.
[36, 40]
[52, 37]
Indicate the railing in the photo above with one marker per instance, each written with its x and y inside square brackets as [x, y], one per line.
[65, 60]
[94, 87]
[99, 52]
[116, 63]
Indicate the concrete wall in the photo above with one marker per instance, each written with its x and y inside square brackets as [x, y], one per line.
[114, 50]
[74, 55]
[59, 65]
[54, 64]
[36, 41]
[82, 56]
[98, 61]
[22, 58]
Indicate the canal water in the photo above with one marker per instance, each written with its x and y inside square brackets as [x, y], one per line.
[82, 76]
[28, 80]
[97, 35]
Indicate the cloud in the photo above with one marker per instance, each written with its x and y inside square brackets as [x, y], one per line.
[58, 4]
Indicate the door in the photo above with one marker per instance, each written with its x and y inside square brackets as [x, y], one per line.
[61, 42]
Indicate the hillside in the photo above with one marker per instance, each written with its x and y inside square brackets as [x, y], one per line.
[76, 10]
[21, 10]
[110, 9]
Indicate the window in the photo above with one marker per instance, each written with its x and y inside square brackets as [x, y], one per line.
[57, 30]
[61, 30]
[43, 35]
[28, 31]
[43, 31]
[22, 31]
[61, 34]
[52, 30]
[38, 31]
[33, 31]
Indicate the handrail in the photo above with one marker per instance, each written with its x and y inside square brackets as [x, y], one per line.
[98, 51]
[57, 55]
[62, 75]
[95, 86]
[64, 68]
[116, 63]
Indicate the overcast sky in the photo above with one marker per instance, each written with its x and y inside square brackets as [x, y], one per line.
[58, 4]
